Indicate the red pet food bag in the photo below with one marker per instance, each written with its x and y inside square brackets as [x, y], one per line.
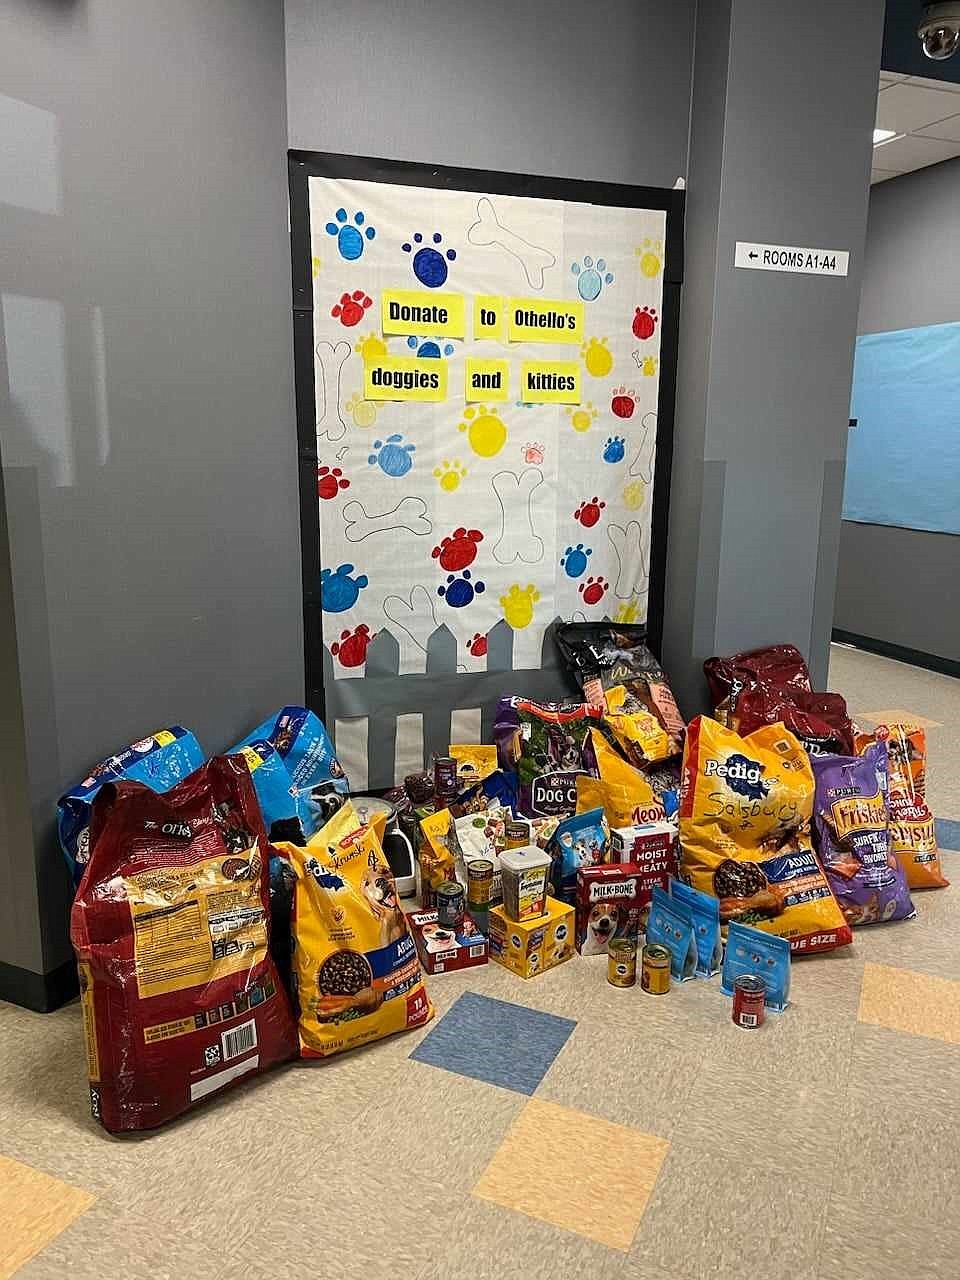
[819, 720]
[778, 666]
[171, 928]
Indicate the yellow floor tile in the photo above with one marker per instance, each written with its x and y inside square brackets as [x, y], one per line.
[917, 1003]
[575, 1171]
[898, 716]
[36, 1208]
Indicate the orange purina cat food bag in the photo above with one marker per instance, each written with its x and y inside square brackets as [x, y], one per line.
[745, 811]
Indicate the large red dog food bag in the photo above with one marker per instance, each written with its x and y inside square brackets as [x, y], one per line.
[778, 667]
[171, 923]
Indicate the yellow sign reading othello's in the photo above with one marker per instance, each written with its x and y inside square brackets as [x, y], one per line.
[488, 317]
[550, 382]
[542, 320]
[486, 379]
[404, 378]
[441, 315]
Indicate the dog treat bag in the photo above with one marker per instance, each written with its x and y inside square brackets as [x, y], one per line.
[778, 666]
[705, 913]
[745, 811]
[762, 955]
[355, 963]
[670, 924]
[547, 744]
[853, 836]
[179, 995]
[580, 841]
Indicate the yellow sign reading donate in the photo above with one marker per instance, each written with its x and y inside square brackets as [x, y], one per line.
[404, 378]
[550, 382]
[440, 315]
[541, 320]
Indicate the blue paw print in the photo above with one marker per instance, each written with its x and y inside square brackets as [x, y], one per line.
[591, 277]
[459, 590]
[340, 590]
[429, 264]
[392, 456]
[613, 450]
[350, 237]
[574, 561]
[430, 348]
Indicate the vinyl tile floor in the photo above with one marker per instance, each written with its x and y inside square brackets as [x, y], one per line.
[617, 1134]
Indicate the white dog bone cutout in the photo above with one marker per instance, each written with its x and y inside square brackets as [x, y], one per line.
[409, 514]
[415, 617]
[626, 544]
[637, 466]
[518, 539]
[330, 362]
[490, 230]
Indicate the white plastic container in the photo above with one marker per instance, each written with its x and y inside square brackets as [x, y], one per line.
[524, 873]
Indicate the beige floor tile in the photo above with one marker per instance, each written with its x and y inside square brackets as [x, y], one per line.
[576, 1171]
[917, 1003]
[898, 715]
[858, 1241]
[925, 1073]
[36, 1209]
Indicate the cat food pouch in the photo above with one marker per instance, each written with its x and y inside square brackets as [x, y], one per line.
[913, 837]
[819, 720]
[438, 849]
[636, 730]
[545, 743]
[778, 666]
[171, 925]
[355, 964]
[705, 913]
[745, 810]
[670, 924]
[853, 836]
[580, 841]
[761, 955]
[159, 762]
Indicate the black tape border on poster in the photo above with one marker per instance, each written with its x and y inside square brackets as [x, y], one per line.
[304, 165]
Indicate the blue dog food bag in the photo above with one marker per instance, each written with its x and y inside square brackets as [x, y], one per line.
[159, 762]
[762, 955]
[705, 911]
[671, 925]
[580, 841]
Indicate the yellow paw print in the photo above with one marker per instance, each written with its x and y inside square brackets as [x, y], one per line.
[597, 357]
[517, 605]
[450, 474]
[316, 264]
[363, 412]
[371, 347]
[581, 417]
[485, 430]
[633, 495]
[629, 612]
[650, 257]
[648, 366]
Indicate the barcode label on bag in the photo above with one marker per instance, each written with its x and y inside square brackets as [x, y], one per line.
[240, 1040]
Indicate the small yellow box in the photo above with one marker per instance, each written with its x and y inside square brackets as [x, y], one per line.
[533, 946]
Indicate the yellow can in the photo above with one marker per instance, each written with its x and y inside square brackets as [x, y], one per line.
[622, 962]
[655, 970]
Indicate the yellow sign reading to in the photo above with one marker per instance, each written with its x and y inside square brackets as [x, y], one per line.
[543, 320]
[440, 315]
[550, 382]
[486, 379]
[404, 378]
[488, 317]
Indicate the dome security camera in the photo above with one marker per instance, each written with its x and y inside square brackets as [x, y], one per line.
[940, 30]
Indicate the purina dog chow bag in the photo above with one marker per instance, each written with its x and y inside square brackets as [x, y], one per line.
[745, 813]
[179, 996]
[548, 745]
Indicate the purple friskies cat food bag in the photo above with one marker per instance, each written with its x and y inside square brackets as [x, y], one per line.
[853, 835]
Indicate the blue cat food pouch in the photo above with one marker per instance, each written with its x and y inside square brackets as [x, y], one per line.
[705, 911]
[671, 925]
[580, 841]
[159, 762]
[761, 955]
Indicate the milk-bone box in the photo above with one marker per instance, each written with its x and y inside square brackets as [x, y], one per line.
[613, 901]
[442, 950]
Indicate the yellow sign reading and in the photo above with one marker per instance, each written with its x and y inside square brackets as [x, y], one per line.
[489, 320]
[550, 382]
[411, 311]
[543, 320]
[404, 378]
[486, 379]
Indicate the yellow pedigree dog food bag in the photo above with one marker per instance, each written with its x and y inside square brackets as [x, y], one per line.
[745, 811]
[355, 964]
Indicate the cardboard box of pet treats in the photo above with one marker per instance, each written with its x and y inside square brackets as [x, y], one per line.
[532, 946]
[652, 844]
[613, 901]
[442, 950]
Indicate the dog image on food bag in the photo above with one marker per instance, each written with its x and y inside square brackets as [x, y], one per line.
[380, 890]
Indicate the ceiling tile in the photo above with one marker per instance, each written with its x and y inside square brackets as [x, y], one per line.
[905, 107]
[949, 130]
[881, 175]
[904, 154]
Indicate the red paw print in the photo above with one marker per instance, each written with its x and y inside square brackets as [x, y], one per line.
[623, 402]
[351, 648]
[459, 550]
[593, 590]
[349, 310]
[645, 322]
[478, 646]
[329, 483]
[588, 513]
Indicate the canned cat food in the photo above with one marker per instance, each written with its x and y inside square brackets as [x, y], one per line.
[450, 904]
[655, 970]
[622, 962]
[445, 783]
[749, 993]
[479, 881]
[516, 833]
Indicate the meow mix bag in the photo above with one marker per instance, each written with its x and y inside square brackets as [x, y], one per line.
[745, 811]
[355, 963]
[179, 995]
[623, 793]
[544, 742]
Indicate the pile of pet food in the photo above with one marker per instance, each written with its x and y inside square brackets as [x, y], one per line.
[236, 913]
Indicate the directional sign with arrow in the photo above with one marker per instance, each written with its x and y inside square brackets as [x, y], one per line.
[791, 258]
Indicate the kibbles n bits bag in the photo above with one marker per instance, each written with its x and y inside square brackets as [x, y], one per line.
[745, 814]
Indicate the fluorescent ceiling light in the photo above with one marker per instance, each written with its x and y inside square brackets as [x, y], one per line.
[880, 136]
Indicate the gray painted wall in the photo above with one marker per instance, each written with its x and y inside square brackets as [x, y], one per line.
[899, 585]
[146, 396]
[527, 86]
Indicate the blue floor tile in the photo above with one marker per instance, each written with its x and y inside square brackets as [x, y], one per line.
[948, 834]
[504, 1044]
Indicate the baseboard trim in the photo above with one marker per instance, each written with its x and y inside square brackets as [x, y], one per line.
[41, 992]
[916, 657]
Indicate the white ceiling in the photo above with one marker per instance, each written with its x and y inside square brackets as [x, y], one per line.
[926, 117]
